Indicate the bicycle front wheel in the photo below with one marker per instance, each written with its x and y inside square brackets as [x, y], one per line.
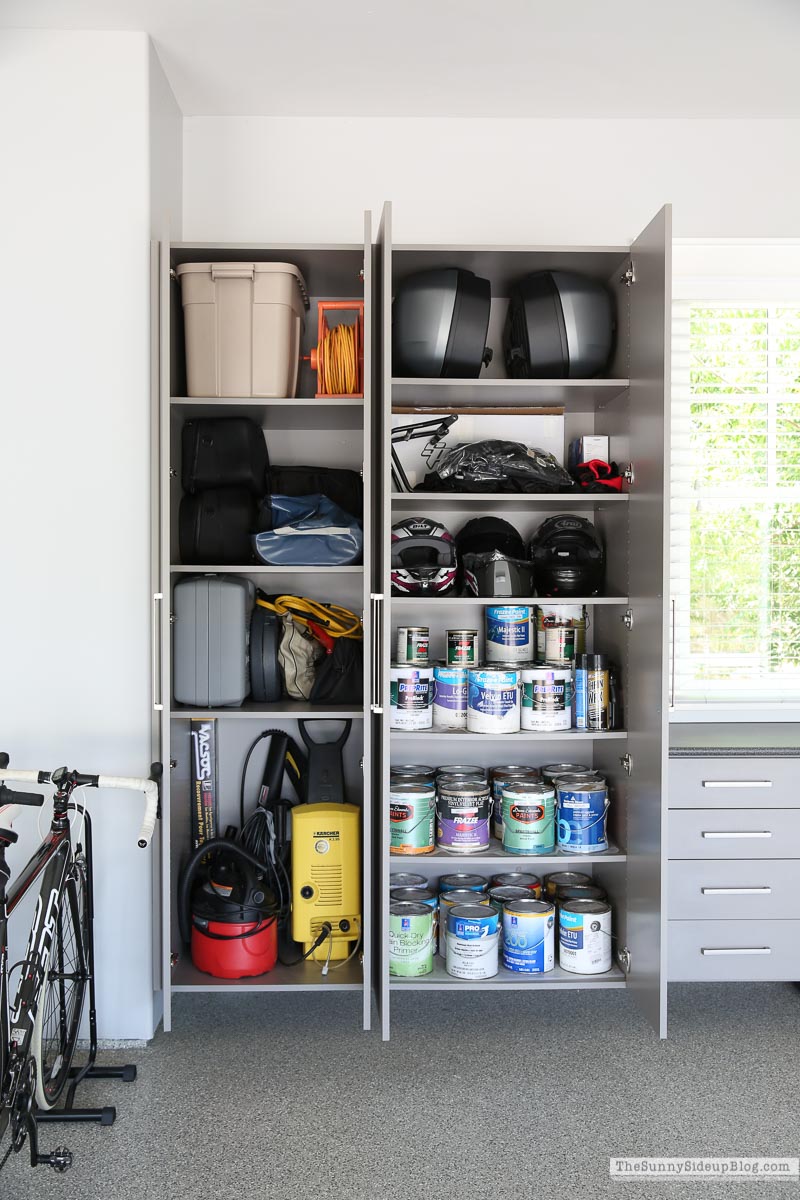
[66, 975]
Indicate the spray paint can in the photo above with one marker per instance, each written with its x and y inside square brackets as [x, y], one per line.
[410, 939]
[412, 815]
[529, 818]
[493, 701]
[499, 777]
[508, 633]
[584, 936]
[528, 936]
[546, 698]
[410, 697]
[449, 697]
[472, 941]
[582, 811]
[462, 647]
[463, 814]
[412, 644]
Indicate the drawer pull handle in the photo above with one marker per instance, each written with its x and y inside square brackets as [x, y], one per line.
[736, 833]
[736, 950]
[736, 783]
[737, 891]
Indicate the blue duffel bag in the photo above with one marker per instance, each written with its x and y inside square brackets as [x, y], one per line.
[309, 531]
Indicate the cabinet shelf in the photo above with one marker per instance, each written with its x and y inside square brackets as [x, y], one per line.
[282, 710]
[269, 401]
[509, 980]
[574, 395]
[560, 735]
[426, 603]
[304, 977]
[497, 857]
[261, 569]
[465, 501]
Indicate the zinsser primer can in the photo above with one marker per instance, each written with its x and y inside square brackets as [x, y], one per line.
[493, 701]
[582, 809]
[557, 879]
[448, 900]
[412, 644]
[560, 632]
[584, 936]
[463, 812]
[412, 818]
[524, 879]
[546, 698]
[508, 633]
[410, 939]
[410, 697]
[528, 940]
[529, 811]
[461, 647]
[472, 941]
[500, 776]
[449, 697]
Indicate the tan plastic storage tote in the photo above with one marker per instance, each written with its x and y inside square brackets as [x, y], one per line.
[244, 324]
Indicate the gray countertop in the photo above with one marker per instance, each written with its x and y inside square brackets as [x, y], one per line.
[737, 739]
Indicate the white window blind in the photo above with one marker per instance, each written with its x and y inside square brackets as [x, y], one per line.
[735, 499]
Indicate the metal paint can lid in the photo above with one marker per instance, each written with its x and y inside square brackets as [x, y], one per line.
[529, 907]
[408, 908]
[586, 906]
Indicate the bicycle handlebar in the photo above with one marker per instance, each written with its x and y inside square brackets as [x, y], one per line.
[124, 782]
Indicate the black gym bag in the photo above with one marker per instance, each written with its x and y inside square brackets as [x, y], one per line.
[215, 526]
[344, 487]
[224, 452]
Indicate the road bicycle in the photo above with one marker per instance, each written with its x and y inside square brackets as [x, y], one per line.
[39, 1029]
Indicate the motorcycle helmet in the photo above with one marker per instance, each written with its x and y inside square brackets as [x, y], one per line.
[492, 558]
[568, 557]
[423, 558]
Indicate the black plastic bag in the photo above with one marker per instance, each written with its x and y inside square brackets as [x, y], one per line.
[494, 465]
[340, 674]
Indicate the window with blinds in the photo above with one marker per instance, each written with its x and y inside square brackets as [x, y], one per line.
[735, 524]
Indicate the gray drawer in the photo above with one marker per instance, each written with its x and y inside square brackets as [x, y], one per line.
[734, 833]
[734, 783]
[733, 890]
[729, 951]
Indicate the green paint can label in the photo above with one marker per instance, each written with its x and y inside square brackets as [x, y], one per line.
[529, 811]
[410, 939]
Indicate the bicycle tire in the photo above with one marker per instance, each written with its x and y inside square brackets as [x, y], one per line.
[65, 978]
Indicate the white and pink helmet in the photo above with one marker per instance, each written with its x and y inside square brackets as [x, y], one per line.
[423, 558]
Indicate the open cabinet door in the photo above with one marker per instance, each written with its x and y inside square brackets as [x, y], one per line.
[646, 701]
[381, 409]
[370, 479]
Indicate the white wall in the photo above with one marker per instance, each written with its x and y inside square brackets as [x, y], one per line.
[499, 181]
[74, 612]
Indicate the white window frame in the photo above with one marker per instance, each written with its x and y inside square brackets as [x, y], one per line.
[746, 271]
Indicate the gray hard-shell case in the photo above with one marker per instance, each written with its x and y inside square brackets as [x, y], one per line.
[210, 640]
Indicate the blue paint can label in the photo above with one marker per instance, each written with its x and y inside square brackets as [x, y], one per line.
[528, 939]
[450, 698]
[472, 942]
[493, 702]
[582, 811]
[508, 633]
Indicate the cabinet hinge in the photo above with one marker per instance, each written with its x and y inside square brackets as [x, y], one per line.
[361, 765]
[628, 474]
[627, 618]
[173, 474]
[626, 762]
[624, 959]
[173, 274]
[361, 275]
[172, 618]
[629, 275]
[173, 763]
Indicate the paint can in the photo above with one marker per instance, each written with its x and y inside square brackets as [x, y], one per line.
[472, 941]
[404, 879]
[518, 879]
[493, 701]
[552, 771]
[460, 769]
[461, 881]
[410, 697]
[584, 936]
[419, 895]
[412, 818]
[448, 900]
[528, 936]
[583, 892]
[582, 811]
[508, 633]
[463, 812]
[410, 939]
[449, 697]
[529, 811]
[546, 698]
[560, 632]
[415, 771]
[557, 879]
[499, 895]
[412, 644]
[499, 777]
[462, 647]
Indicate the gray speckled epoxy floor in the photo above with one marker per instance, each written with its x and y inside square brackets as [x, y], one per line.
[496, 1097]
